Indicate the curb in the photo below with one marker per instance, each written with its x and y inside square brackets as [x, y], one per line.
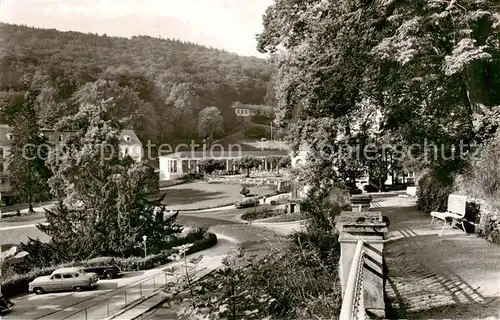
[166, 297]
[263, 222]
[229, 204]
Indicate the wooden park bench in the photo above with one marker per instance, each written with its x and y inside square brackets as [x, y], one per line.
[411, 193]
[455, 213]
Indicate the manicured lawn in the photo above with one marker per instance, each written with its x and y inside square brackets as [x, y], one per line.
[202, 195]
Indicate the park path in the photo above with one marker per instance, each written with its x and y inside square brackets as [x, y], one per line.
[455, 276]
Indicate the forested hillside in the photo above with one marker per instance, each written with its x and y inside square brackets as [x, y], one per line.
[162, 84]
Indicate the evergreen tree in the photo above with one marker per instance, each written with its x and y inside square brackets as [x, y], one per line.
[105, 206]
[26, 163]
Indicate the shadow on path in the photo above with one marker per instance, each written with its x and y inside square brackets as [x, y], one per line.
[453, 276]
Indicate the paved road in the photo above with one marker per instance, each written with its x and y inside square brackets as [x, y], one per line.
[71, 305]
[64, 304]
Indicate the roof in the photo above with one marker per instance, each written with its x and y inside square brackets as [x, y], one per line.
[101, 260]
[256, 107]
[215, 154]
[69, 270]
[127, 137]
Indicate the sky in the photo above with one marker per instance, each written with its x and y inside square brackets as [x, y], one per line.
[224, 24]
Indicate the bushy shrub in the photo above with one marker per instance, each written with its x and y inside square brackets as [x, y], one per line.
[432, 194]
[289, 217]
[290, 282]
[490, 230]
[261, 213]
[262, 119]
[192, 176]
[257, 132]
[482, 181]
[209, 240]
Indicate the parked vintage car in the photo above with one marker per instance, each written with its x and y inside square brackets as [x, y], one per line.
[104, 267]
[280, 200]
[64, 279]
[5, 304]
[247, 203]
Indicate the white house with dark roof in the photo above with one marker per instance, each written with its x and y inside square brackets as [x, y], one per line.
[130, 145]
[175, 165]
[247, 110]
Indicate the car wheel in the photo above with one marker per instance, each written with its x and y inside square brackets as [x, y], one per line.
[273, 202]
[109, 275]
[78, 288]
[38, 290]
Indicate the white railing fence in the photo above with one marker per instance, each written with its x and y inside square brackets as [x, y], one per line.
[353, 307]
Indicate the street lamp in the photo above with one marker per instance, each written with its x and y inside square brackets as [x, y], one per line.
[144, 238]
[271, 130]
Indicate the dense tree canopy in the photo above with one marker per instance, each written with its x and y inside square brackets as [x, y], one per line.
[210, 122]
[356, 71]
[29, 150]
[163, 84]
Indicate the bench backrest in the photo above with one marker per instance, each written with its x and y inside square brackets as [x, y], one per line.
[411, 191]
[456, 204]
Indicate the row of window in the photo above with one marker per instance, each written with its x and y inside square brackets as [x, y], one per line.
[242, 111]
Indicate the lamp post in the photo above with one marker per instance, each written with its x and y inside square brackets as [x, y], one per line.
[144, 238]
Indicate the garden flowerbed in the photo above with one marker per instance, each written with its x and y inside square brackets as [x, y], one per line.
[287, 217]
[261, 213]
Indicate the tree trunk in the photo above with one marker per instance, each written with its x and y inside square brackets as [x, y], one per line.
[30, 197]
[248, 172]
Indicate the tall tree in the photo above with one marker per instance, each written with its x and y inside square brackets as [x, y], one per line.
[105, 207]
[248, 162]
[210, 122]
[210, 165]
[29, 150]
[410, 68]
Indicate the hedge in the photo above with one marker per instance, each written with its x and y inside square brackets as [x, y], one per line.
[18, 284]
[432, 194]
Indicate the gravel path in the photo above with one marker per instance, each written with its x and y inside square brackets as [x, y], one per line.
[456, 276]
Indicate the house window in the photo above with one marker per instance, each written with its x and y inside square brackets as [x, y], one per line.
[3, 181]
[1, 153]
[2, 168]
[127, 138]
[125, 151]
[61, 138]
[10, 136]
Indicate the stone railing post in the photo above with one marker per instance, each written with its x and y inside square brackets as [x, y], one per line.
[360, 200]
[370, 227]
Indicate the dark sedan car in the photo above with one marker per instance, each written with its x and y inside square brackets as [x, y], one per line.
[105, 267]
[5, 304]
[247, 203]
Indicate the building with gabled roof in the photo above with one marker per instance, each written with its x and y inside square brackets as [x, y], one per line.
[248, 110]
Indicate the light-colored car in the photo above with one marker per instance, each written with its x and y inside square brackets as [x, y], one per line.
[279, 200]
[64, 279]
